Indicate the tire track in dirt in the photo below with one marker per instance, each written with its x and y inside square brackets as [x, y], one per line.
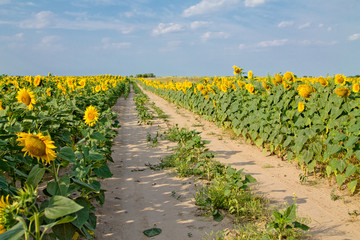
[278, 180]
[138, 198]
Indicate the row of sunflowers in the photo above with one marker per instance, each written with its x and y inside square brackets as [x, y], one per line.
[314, 121]
[55, 139]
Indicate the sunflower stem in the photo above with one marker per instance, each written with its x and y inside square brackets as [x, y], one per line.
[55, 173]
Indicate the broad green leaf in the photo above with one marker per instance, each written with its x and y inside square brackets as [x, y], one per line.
[35, 176]
[350, 170]
[103, 172]
[64, 231]
[352, 186]
[66, 219]
[328, 170]
[60, 206]
[341, 165]
[340, 179]
[152, 232]
[98, 136]
[67, 154]
[14, 233]
[349, 144]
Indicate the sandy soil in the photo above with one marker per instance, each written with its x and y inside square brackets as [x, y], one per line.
[137, 200]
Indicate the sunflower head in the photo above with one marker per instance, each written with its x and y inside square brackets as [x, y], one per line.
[289, 76]
[91, 116]
[265, 85]
[7, 214]
[37, 80]
[340, 79]
[323, 81]
[301, 107]
[27, 97]
[250, 88]
[37, 146]
[278, 79]
[342, 92]
[305, 90]
[356, 87]
[250, 74]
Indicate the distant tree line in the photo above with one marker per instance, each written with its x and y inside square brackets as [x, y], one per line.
[144, 75]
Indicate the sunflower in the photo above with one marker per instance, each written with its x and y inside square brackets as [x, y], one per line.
[27, 97]
[250, 88]
[323, 81]
[278, 79]
[289, 76]
[37, 80]
[305, 90]
[199, 86]
[267, 87]
[237, 70]
[356, 87]
[340, 79]
[5, 214]
[37, 146]
[48, 91]
[250, 74]
[301, 107]
[342, 92]
[91, 115]
[82, 83]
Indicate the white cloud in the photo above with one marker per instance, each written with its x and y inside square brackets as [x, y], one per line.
[212, 35]
[316, 43]
[305, 25]
[50, 43]
[47, 19]
[254, 3]
[108, 44]
[242, 46]
[272, 43]
[18, 36]
[163, 28]
[40, 20]
[208, 6]
[285, 24]
[198, 24]
[355, 36]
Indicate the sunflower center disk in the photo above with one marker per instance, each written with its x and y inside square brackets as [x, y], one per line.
[35, 146]
[91, 116]
[25, 98]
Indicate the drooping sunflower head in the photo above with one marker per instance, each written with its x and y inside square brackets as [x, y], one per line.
[305, 90]
[91, 116]
[27, 97]
[265, 85]
[37, 146]
[237, 70]
[7, 218]
[289, 76]
[278, 79]
[322, 81]
[342, 92]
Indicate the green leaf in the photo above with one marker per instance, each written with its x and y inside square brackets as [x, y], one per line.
[35, 176]
[14, 233]
[217, 216]
[66, 219]
[64, 231]
[83, 214]
[350, 170]
[341, 165]
[352, 186]
[290, 212]
[349, 144]
[67, 154]
[152, 232]
[301, 226]
[340, 179]
[98, 136]
[91, 187]
[250, 179]
[59, 188]
[328, 170]
[307, 156]
[103, 172]
[60, 206]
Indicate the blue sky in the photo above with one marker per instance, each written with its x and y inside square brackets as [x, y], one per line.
[179, 38]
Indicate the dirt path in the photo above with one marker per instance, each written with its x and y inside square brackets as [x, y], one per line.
[138, 198]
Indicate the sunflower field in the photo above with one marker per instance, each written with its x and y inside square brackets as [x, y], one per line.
[314, 121]
[55, 140]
